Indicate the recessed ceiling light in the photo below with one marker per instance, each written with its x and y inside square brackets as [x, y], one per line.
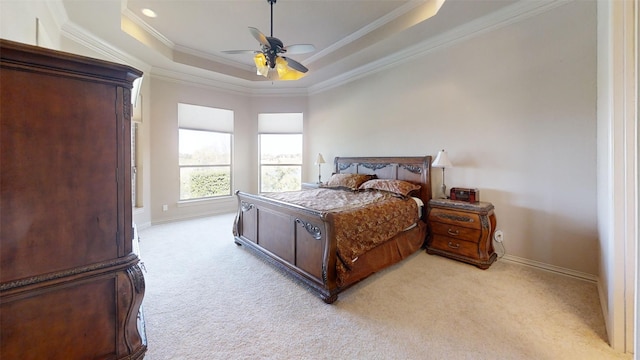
[150, 13]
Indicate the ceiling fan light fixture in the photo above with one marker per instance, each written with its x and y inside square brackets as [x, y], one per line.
[268, 57]
[285, 72]
[261, 65]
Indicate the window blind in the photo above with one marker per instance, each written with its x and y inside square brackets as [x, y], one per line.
[197, 117]
[280, 123]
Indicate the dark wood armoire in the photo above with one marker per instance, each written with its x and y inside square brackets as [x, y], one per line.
[70, 283]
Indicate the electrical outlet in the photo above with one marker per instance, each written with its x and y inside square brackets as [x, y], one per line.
[165, 207]
[498, 236]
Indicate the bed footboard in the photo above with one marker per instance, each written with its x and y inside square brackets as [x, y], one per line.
[296, 240]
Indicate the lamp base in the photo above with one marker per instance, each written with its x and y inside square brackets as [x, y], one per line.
[443, 187]
[444, 192]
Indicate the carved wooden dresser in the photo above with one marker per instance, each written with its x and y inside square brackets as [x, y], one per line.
[70, 284]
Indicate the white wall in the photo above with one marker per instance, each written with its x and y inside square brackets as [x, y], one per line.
[166, 93]
[515, 110]
[29, 22]
[165, 177]
[142, 215]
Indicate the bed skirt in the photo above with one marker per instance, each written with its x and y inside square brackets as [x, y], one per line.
[391, 252]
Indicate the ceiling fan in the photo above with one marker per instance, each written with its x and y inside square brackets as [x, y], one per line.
[269, 55]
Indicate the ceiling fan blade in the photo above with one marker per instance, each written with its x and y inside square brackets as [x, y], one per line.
[262, 39]
[296, 65]
[240, 51]
[299, 49]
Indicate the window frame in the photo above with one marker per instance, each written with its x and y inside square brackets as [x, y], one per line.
[261, 165]
[222, 125]
[291, 123]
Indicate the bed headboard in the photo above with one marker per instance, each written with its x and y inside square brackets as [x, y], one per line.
[416, 169]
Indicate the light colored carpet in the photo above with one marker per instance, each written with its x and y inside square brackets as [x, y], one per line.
[207, 298]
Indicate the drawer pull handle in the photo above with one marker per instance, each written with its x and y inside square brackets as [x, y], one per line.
[452, 232]
[453, 246]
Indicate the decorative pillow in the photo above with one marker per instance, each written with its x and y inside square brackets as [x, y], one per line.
[350, 181]
[399, 187]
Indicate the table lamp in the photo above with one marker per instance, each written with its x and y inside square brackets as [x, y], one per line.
[442, 161]
[319, 161]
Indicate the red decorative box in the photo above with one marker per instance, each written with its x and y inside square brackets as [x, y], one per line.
[465, 194]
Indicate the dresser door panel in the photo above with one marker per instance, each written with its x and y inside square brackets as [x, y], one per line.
[58, 180]
[80, 323]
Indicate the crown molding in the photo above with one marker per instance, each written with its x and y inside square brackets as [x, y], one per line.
[501, 18]
[233, 87]
[83, 37]
[364, 30]
[183, 78]
[176, 47]
[214, 58]
[147, 28]
[58, 12]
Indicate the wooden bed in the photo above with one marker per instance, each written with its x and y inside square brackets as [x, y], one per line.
[302, 241]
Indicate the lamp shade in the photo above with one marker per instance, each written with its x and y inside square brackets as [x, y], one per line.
[285, 72]
[261, 65]
[442, 160]
[319, 159]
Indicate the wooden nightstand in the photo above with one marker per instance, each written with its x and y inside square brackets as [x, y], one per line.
[462, 231]
[309, 186]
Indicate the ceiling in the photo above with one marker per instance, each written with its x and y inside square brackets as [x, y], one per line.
[188, 36]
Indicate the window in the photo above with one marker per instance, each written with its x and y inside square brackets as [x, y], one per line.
[280, 139]
[204, 151]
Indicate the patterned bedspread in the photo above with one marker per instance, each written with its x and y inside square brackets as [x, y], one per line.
[362, 220]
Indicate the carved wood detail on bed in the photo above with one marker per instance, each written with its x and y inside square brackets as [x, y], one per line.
[412, 169]
[301, 241]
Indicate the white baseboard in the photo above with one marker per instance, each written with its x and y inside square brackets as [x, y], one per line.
[552, 268]
[192, 217]
[602, 294]
[144, 225]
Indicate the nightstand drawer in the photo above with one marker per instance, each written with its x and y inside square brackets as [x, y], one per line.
[457, 218]
[454, 246]
[456, 232]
